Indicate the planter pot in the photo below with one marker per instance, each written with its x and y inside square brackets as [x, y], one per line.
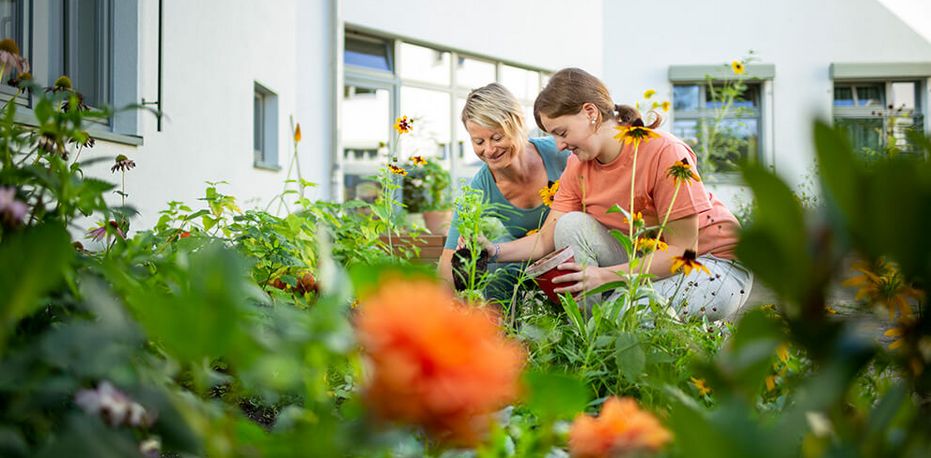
[544, 271]
[437, 222]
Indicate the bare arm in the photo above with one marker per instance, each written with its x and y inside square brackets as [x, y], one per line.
[445, 265]
[531, 247]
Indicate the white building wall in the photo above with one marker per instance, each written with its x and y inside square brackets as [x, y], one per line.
[213, 53]
[801, 38]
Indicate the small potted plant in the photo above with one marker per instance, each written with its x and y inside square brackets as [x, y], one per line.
[426, 190]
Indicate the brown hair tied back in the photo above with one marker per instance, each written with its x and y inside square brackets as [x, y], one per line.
[570, 88]
[626, 115]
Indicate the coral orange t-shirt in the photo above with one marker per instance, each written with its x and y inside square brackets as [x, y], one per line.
[594, 188]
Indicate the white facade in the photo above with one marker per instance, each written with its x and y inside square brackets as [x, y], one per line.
[801, 39]
[215, 52]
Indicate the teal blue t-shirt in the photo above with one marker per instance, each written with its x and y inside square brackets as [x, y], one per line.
[517, 221]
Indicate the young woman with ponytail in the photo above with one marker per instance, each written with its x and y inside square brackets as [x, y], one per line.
[577, 110]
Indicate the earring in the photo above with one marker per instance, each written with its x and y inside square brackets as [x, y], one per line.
[592, 120]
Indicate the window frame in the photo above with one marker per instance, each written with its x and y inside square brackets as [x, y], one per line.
[267, 126]
[870, 111]
[704, 113]
[120, 72]
[456, 152]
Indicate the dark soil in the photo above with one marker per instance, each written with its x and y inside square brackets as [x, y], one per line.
[461, 261]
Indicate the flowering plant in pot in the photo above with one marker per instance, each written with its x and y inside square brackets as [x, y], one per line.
[426, 189]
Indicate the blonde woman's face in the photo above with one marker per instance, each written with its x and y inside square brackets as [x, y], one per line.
[492, 146]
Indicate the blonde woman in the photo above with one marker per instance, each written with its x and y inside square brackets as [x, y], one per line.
[577, 110]
[515, 169]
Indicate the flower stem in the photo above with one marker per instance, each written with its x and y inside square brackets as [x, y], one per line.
[662, 226]
[632, 219]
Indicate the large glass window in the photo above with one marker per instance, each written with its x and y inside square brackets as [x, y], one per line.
[386, 78]
[878, 116]
[723, 131]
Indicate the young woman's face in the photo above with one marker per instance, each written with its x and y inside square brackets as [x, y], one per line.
[492, 146]
[574, 132]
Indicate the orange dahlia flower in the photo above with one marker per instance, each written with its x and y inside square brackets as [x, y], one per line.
[434, 362]
[622, 429]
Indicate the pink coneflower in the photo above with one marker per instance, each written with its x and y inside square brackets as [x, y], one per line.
[99, 233]
[12, 211]
[113, 406]
[122, 163]
[10, 58]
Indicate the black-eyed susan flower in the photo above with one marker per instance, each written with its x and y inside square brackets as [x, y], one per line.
[687, 263]
[648, 93]
[635, 133]
[648, 244]
[397, 170]
[682, 172]
[418, 160]
[738, 67]
[548, 193]
[882, 284]
[403, 125]
[122, 163]
[895, 334]
[638, 220]
[297, 133]
[701, 386]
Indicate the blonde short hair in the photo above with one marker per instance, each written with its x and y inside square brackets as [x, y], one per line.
[494, 107]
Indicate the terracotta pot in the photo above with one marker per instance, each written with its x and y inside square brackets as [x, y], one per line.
[437, 222]
[544, 271]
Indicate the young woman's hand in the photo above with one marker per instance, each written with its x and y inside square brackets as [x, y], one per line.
[581, 279]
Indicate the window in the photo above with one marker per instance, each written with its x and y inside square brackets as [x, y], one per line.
[878, 115]
[386, 78]
[722, 134]
[265, 128]
[93, 42]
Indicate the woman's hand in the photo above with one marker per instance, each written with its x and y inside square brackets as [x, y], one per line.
[582, 279]
[486, 244]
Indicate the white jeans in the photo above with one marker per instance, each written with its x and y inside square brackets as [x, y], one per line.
[717, 296]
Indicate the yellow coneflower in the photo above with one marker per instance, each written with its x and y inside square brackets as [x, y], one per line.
[638, 219]
[418, 160]
[770, 382]
[548, 193]
[397, 170]
[883, 284]
[635, 133]
[687, 263]
[701, 386]
[896, 334]
[783, 353]
[648, 93]
[682, 172]
[738, 67]
[650, 244]
[403, 125]
[297, 133]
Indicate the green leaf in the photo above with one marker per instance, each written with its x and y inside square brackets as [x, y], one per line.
[555, 396]
[631, 359]
[841, 178]
[34, 262]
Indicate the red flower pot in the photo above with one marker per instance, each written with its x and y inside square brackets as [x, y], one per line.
[544, 271]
